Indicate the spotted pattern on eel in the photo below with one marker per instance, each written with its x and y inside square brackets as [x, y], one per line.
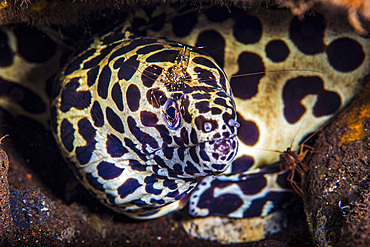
[144, 119]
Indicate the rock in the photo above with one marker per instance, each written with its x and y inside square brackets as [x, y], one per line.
[30, 209]
[337, 196]
[5, 220]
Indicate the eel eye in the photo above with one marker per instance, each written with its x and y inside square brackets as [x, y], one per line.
[171, 114]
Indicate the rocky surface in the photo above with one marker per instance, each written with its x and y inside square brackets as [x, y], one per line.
[337, 198]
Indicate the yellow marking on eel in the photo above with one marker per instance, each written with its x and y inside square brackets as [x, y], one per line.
[355, 118]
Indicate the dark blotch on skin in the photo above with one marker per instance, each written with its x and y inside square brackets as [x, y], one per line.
[277, 50]
[78, 60]
[72, 98]
[177, 168]
[178, 141]
[111, 199]
[213, 43]
[108, 170]
[103, 53]
[220, 101]
[282, 180]
[149, 48]
[215, 156]
[193, 155]
[33, 45]
[160, 162]
[218, 166]
[67, 134]
[97, 114]
[222, 79]
[190, 168]
[133, 97]
[27, 99]
[156, 97]
[221, 205]
[114, 120]
[120, 61]
[130, 144]
[142, 137]
[296, 89]
[103, 82]
[115, 147]
[141, 41]
[114, 35]
[218, 13]
[163, 56]
[259, 182]
[193, 136]
[204, 61]
[185, 136]
[148, 119]
[93, 181]
[117, 96]
[183, 24]
[204, 156]
[221, 94]
[165, 134]
[180, 153]
[231, 155]
[149, 187]
[135, 165]
[91, 76]
[168, 152]
[308, 35]
[242, 164]
[245, 86]
[206, 76]
[185, 114]
[141, 203]
[6, 57]
[201, 96]
[128, 68]
[119, 52]
[279, 200]
[128, 187]
[171, 184]
[150, 75]
[87, 131]
[215, 111]
[345, 54]
[247, 30]
[202, 106]
[248, 131]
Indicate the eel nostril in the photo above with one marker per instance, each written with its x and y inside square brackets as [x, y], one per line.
[207, 126]
[233, 123]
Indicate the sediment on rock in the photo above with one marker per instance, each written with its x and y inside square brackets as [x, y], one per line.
[338, 187]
